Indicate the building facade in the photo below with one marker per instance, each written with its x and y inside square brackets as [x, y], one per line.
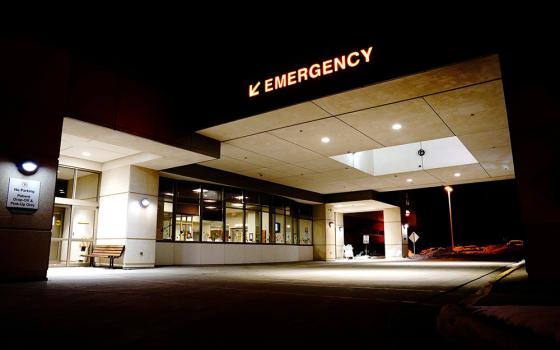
[174, 195]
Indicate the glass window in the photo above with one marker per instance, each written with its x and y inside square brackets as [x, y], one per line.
[234, 198]
[265, 233]
[292, 227]
[187, 222]
[165, 227]
[165, 220]
[277, 202]
[234, 215]
[64, 182]
[212, 231]
[87, 185]
[252, 225]
[187, 208]
[251, 197]
[212, 196]
[59, 234]
[234, 225]
[212, 215]
[187, 228]
[305, 211]
[265, 199]
[288, 225]
[279, 226]
[166, 188]
[187, 193]
[306, 233]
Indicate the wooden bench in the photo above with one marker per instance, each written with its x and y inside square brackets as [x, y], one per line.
[105, 251]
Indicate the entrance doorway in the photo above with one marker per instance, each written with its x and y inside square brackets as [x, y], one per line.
[74, 219]
[72, 234]
[378, 222]
[369, 224]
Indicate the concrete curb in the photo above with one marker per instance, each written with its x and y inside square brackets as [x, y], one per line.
[486, 289]
[460, 324]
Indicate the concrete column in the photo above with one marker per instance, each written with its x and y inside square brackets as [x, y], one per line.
[33, 91]
[532, 94]
[324, 239]
[395, 244]
[339, 224]
[122, 220]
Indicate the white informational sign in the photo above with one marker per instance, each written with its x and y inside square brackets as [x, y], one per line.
[23, 194]
[366, 239]
[413, 237]
[404, 229]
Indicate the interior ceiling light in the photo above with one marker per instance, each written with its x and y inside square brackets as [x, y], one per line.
[144, 203]
[86, 154]
[325, 140]
[457, 174]
[396, 126]
[408, 180]
[210, 207]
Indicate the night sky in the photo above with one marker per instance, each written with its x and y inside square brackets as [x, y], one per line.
[204, 66]
[483, 213]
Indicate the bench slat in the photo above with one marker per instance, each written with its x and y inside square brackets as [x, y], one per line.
[105, 251]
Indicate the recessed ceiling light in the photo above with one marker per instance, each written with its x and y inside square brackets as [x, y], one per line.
[86, 154]
[325, 140]
[457, 174]
[408, 180]
[396, 126]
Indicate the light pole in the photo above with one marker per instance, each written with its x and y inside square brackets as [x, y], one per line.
[449, 189]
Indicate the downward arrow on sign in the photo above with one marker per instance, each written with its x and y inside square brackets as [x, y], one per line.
[253, 90]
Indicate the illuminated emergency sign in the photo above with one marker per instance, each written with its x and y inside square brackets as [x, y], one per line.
[314, 71]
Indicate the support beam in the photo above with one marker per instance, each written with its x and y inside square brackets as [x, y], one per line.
[324, 239]
[395, 244]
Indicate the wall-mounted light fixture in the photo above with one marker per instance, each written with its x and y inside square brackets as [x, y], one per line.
[144, 203]
[27, 167]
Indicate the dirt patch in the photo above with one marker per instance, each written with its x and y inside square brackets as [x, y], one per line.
[512, 250]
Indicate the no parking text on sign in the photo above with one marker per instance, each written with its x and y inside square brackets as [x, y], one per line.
[23, 194]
